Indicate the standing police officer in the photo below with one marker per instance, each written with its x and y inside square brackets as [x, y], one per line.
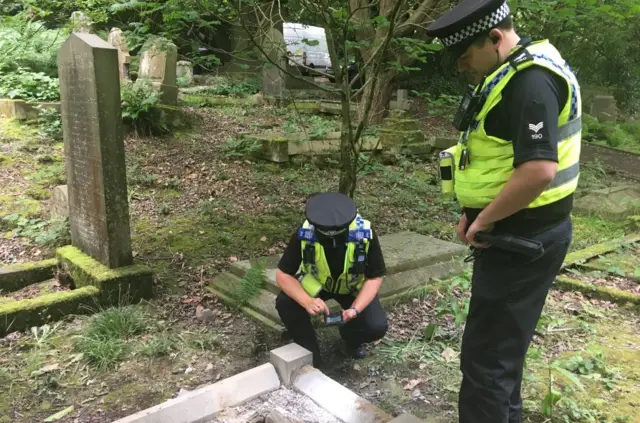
[514, 171]
[333, 255]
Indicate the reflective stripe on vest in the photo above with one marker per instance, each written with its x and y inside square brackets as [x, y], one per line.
[347, 283]
[491, 158]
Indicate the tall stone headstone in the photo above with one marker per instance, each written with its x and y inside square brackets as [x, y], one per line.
[80, 22]
[273, 79]
[94, 149]
[184, 69]
[116, 39]
[158, 63]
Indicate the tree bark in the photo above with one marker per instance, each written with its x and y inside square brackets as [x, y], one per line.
[348, 156]
[382, 91]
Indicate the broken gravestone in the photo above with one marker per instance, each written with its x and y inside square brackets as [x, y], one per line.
[158, 63]
[616, 203]
[116, 39]
[94, 149]
[400, 133]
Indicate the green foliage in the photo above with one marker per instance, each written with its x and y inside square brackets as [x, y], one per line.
[50, 123]
[103, 341]
[598, 38]
[240, 147]
[141, 108]
[235, 88]
[28, 45]
[50, 233]
[251, 284]
[25, 85]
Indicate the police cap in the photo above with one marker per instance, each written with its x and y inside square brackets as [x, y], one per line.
[331, 211]
[465, 23]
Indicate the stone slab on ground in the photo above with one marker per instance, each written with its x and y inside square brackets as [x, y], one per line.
[402, 251]
[288, 359]
[17, 276]
[616, 203]
[340, 401]
[202, 404]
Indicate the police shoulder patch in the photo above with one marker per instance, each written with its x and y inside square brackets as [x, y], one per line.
[305, 234]
[359, 235]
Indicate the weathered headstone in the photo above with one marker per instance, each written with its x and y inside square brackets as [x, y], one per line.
[94, 149]
[184, 70]
[273, 79]
[60, 202]
[604, 108]
[116, 39]
[158, 63]
[80, 22]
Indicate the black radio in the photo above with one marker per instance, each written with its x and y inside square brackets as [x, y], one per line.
[467, 109]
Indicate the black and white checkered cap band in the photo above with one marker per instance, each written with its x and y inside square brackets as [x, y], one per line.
[478, 26]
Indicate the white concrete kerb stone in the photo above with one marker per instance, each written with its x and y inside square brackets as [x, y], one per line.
[202, 404]
[288, 359]
[340, 401]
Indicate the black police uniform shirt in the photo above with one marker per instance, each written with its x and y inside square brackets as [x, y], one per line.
[292, 256]
[533, 95]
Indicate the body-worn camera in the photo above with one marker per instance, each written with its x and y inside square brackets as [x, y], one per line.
[467, 109]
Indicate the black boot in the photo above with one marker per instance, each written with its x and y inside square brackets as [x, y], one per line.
[358, 352]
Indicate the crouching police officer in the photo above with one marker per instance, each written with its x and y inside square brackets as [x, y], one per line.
[514, 171]
[336, 255]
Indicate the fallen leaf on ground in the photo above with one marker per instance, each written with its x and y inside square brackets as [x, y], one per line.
[59, 414]
[46, 369]
[412, 384]
[448, 354]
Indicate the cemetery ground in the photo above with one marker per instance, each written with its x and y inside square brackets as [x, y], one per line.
[198, 203]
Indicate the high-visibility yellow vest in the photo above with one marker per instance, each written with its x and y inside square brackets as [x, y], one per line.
[315, 271]
[491, 158]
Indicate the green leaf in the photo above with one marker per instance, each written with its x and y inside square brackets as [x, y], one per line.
[430, 331]
[548, 402]
[636, 272]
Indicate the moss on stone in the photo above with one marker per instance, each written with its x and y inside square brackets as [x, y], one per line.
[19, 315]
[602, 292]
[17, 276]
[129, 283]
[5, 160]
[579, 257]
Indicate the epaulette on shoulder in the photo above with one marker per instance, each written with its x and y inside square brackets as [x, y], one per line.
[306, 234]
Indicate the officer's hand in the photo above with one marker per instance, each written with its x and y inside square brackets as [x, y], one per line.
[348, 315]
[316, 306]
[478, 226]
[462, 228]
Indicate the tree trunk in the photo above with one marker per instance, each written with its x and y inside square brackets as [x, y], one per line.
[381, 93]
[348, 158]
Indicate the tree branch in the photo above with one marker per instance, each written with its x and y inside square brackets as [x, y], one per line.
[420, 16]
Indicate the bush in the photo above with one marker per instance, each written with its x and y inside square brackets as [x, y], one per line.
[29, 45]
[30, 86]
[50, 123]
[141, 108]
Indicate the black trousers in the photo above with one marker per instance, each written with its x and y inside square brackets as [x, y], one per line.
[370, 325]
[508, 292]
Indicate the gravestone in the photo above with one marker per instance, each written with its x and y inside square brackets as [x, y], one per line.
[60, 202]
[94, 149]
[116, 39]
[273, 79]
[604, 108]
[158, 63]
[615, 203]
[80, 22]
[401, 102]
[184, 70]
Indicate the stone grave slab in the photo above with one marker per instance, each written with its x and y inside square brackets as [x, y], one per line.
[412, 260]
[616, 203]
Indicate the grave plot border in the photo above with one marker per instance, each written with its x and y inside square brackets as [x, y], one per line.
[95, 285]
